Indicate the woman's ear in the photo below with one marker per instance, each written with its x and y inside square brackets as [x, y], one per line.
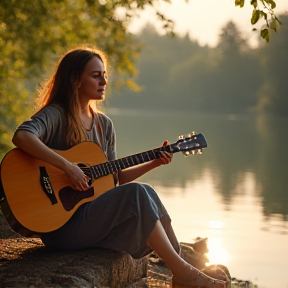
[76, 82]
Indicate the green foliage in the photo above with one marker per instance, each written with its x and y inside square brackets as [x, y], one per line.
[265, 33]
[262, 8]
[239, 3]
[34, 33]
[255, 16]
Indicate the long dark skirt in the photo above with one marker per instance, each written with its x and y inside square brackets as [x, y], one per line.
[121, 219]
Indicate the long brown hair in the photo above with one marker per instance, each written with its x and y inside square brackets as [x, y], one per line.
[62, 89]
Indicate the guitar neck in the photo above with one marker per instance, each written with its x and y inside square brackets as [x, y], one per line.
[110, 167]
[186, 145]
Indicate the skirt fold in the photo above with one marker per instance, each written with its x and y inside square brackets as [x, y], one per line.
[121, 219]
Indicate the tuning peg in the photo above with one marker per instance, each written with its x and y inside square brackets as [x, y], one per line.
[193, 133]
[181, 137]
[185, 153]
[193, 152]
[199, 151]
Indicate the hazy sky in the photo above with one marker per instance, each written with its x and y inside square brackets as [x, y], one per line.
[203, 19]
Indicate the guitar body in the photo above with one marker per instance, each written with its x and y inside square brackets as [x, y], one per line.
[36, 197]
[45, 205]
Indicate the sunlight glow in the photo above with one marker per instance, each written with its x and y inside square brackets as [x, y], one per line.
[217, 254]
[202, 24]
[216, 224]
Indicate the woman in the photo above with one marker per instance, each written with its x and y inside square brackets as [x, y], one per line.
[129, 217]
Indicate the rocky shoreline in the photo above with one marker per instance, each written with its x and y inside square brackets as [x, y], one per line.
[25, 262]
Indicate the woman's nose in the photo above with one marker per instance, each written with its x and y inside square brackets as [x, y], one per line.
[104, 80]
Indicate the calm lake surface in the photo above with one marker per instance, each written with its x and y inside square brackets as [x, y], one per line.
[235, 193]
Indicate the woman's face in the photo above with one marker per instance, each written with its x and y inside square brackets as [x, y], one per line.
[93, 81]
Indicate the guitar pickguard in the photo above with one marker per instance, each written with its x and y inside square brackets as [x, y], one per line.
[70, 197]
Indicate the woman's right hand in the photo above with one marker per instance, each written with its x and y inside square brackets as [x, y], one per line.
[77, 177]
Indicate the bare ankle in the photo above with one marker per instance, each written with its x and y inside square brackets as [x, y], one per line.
[183, 271]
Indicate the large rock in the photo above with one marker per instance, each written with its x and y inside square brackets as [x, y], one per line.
[25, 262]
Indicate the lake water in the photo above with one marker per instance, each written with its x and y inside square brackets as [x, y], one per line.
[235, 193]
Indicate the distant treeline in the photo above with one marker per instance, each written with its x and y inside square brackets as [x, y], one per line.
[177, 73]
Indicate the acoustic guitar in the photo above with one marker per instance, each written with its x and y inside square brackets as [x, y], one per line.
[37, 197]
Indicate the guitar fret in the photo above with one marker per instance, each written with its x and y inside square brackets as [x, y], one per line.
[132, 160]
[148, 157]
[123, 164]
[136, 159]
[127, 162]
[99, 170]
[110, 167]
[139, 158]
[153, 154]
[107, 168]
[118, 165]
[113, 164]
[95, 176]
[103, 169]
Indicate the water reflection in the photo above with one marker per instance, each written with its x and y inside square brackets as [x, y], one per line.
[217, 252]
[235, 193]
[242, 151]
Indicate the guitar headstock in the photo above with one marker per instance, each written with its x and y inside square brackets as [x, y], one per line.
[191, 144]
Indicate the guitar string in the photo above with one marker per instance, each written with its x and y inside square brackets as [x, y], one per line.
[88, 171]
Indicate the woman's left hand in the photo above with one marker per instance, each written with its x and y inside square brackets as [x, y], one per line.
[166, 157]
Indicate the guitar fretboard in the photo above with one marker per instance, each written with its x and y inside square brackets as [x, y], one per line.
[193, 142]
[110, 167]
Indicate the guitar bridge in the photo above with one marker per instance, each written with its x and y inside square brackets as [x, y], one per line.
[46, 185]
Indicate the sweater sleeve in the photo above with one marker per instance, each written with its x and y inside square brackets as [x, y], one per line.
[49, 125]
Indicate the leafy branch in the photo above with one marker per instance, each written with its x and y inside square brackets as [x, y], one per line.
[263, 9]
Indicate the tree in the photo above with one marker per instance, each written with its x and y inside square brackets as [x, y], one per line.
[33, 32]
[231, 41]
[274, 59]
[237, 72]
